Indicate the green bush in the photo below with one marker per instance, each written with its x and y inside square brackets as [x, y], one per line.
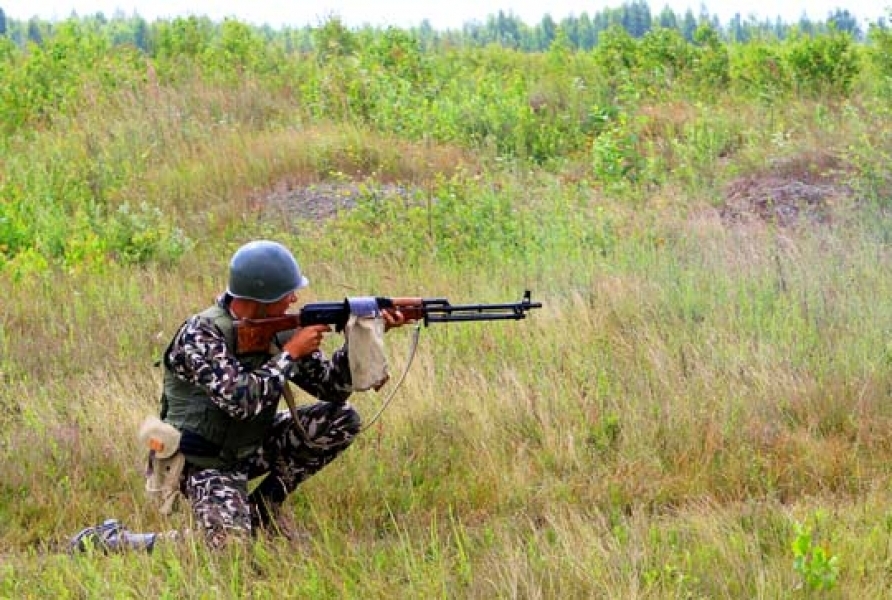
[758, 70]
[138, 235]
[822, 65]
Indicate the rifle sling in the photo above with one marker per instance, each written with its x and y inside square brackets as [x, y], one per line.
[292, 408]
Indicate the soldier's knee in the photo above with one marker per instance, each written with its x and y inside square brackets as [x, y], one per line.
[349, 420]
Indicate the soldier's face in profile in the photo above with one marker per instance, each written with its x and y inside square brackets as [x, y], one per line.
[279, 308]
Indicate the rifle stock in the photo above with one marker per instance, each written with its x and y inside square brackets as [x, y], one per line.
[253, 336]
[256, 335]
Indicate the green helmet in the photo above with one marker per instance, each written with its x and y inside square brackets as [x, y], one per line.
[264, 271]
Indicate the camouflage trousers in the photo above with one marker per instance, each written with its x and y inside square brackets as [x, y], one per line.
[220, 502]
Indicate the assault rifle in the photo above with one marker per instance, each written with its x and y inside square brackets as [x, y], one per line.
[255, 335]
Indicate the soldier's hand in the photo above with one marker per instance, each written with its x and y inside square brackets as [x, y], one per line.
[306, 340]
[394, 317]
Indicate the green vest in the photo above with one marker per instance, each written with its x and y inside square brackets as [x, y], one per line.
[187, 406]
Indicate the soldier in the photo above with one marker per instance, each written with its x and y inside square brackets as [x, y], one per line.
[225, 407]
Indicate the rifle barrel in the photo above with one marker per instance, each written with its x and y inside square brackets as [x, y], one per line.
[482, 316]
[442, 312]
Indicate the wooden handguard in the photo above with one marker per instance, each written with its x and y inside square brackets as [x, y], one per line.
[412, 308]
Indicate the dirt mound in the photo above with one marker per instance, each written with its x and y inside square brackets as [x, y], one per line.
[294, 202]
[805, 189]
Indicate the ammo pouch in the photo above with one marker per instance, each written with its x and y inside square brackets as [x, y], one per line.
[165, 462]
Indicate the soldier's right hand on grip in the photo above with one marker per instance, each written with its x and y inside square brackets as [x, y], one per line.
[306, 340]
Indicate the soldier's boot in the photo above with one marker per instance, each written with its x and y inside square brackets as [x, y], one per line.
[275, 520]
[111, 537]
[268, 515]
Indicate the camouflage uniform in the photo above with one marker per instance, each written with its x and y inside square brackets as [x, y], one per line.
[200, 355]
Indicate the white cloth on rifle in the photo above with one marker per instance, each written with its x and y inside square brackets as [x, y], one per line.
[365, 342]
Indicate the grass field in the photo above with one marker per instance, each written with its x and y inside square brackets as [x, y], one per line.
[700, 410]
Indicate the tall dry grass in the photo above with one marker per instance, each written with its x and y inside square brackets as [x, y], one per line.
[655, 431]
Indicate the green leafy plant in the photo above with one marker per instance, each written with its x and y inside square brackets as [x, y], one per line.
[139, 235]
[615, 155]
[818, 568]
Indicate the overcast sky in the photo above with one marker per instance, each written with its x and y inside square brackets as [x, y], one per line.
[441, 13]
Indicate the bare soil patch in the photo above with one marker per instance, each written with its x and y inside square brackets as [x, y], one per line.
[806, 189]
[291, 201]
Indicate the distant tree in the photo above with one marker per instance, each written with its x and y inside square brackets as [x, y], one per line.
[548, 29]
[737, 32]
[806, 25]
[588, 37]
[507, 28]
[688, 25]
[34, 33]
[667, 19]
[426, 34]
[708, 19]
[844, 21]
[780, 28]
[637, 18]
[2, 22]
[141, 34]
[569, 26]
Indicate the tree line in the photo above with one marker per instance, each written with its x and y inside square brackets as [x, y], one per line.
[581, 32]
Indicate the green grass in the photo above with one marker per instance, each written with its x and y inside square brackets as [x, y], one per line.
[656, 431]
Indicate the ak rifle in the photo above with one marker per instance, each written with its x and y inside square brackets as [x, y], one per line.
[256, 335]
